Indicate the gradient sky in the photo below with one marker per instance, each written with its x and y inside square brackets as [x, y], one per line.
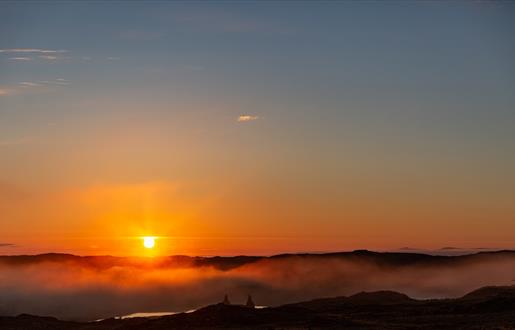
[256, 127]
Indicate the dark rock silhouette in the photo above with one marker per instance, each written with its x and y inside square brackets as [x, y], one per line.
[250, 302]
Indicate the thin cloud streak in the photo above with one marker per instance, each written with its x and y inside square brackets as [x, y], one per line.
[28, 84]
[61, 82]
[33, 50]
[48, 57]
[25, 86]
[20, 58]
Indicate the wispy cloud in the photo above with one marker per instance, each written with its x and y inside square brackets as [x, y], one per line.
[48, 57]
[20, 58]
[7, 245]
[43, 83]
[29, 84]
[245, 118]
[112, 58]
[45, 54]
[26, 86]
[59, 81]
[33, 50]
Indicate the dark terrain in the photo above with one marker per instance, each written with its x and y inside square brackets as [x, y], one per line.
[382, 259]
[485, 308]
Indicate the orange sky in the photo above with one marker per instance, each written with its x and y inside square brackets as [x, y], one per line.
[110, 219]
[255, 127]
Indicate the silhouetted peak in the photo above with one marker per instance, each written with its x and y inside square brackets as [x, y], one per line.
[489, 292]
[379, 298]
[250, 302]
[363, 251]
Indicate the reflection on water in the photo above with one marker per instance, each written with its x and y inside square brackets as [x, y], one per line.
[150, 314]
[157, 314]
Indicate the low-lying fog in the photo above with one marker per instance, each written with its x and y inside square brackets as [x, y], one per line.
[72, 290]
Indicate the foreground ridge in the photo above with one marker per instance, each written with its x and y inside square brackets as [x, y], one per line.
[485, 308]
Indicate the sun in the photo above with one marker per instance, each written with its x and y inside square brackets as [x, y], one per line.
[149, 242]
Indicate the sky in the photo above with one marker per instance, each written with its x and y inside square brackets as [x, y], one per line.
[227, 128]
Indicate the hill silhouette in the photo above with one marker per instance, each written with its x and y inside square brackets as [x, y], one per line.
[490, 292]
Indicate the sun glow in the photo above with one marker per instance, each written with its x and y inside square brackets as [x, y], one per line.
[149, 242]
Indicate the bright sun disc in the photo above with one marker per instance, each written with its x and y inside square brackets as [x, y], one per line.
[149, 242]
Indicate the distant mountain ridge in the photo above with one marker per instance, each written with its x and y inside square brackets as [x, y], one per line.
[226, 263]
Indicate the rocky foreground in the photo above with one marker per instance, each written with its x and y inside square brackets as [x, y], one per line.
[485, 308]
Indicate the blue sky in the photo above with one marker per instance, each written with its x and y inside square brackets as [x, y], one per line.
[336, 106]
